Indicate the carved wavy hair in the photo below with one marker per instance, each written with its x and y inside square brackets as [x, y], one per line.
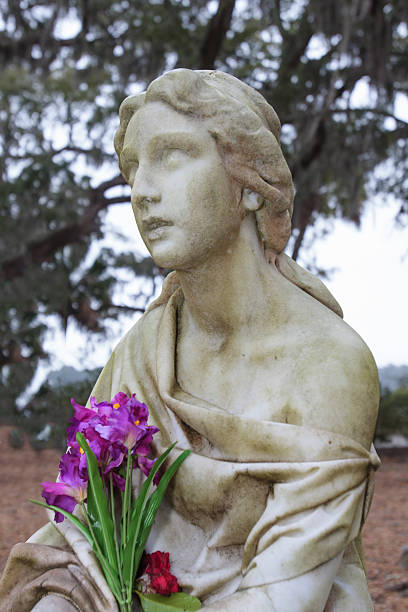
[246, 130]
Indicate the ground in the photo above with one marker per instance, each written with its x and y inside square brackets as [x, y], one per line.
[384, 535]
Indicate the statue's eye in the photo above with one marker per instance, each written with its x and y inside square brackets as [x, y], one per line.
[172, 158]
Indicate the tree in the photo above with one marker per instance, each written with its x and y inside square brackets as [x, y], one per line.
[66, 66]
[45, 418]
[393, 414]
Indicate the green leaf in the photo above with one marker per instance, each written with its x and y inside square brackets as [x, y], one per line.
[129, 566]
[153, 505]
[82, 528]
[92, 512]
[98, 502]
[110, 576]
[132, 553]
[176, 601]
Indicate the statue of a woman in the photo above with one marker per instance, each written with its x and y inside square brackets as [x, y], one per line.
[245, 360]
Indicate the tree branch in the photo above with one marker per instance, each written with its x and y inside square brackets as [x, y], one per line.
[295, 44]
[52, 153]
[276, 11]
[127, 308]
[12, 49]
[41, 250]
[307, 207]
[113, 182]
[362, 111]
[217, 29]
[118, 200]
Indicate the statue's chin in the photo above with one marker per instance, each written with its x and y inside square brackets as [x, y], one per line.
[171, 254]
[165, 255]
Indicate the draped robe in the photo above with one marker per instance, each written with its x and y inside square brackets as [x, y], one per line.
[256, 504]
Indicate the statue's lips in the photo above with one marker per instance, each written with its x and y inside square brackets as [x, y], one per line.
[153, 225]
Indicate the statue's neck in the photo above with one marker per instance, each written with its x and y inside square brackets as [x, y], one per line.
[234, 290]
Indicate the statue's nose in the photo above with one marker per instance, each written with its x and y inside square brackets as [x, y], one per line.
[144, 189]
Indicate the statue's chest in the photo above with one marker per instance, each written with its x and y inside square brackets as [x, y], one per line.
[210, 493]
[255, 381]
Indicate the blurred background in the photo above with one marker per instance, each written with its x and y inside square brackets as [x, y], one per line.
[74, 274]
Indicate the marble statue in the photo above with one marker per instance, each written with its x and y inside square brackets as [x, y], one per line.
[245, 360]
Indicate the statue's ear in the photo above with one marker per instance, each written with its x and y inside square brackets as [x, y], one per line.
[251, 201]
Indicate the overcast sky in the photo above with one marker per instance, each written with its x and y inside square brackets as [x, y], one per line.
[371, 280]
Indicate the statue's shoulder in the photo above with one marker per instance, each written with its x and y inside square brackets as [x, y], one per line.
[143, 333]
[145, 330]
[339, 379]
[132, 360]
[343, 347]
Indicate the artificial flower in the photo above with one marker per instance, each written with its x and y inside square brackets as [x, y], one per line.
[105, 442]
[70, 490]
[157, 577]
[127, 425]
[108, 452]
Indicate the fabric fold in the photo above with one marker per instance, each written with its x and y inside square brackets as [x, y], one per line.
[258, 507]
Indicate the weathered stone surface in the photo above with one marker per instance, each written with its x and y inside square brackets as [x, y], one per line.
[244, 359]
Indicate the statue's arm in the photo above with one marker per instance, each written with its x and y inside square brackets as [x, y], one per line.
[54, 603]
[337, 390]
[337, 387]
[305, 593]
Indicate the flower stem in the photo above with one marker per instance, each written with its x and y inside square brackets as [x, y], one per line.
[129, 500]
[126, 501]
[115, 534]
[102, 559]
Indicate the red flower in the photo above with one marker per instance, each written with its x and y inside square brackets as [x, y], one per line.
[157, 577]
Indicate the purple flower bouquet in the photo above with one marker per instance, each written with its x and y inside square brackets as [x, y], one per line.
[105, 444]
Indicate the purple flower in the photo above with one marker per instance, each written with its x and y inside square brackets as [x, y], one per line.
[71, 488]
[113, 429]
[127, 425]
[109, 456]
[85, 419]
[146, 465]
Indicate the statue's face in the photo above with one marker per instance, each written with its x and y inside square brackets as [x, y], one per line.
[185, 204]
